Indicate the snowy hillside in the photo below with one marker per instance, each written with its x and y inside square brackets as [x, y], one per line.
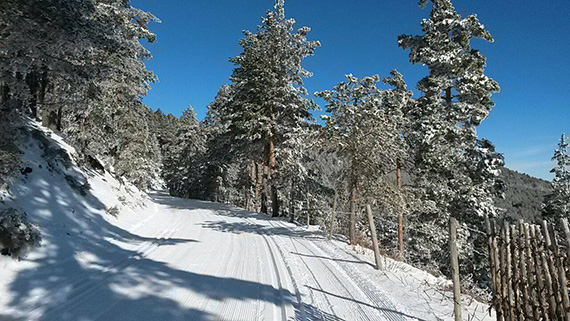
[115, 253]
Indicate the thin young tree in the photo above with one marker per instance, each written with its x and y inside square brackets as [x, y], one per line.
[365, 125]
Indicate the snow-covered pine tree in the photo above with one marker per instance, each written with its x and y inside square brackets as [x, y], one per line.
[456, 99]
[366, 125]
[60, 53]
[188, 144]
[39, 41]
[119, 80]
[164, 127]
[138, 153]
[79, 67]
[221, 149]
[269, 100]
[557, 204]
[293, 180]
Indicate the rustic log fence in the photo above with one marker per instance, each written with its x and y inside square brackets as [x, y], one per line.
[529, 269]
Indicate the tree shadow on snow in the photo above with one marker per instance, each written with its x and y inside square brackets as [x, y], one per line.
[85, 275]
[256, 223]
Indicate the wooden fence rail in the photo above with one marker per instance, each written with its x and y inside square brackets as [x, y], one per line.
[528, 269]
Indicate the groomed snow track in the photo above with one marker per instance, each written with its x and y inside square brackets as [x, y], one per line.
[195, 260]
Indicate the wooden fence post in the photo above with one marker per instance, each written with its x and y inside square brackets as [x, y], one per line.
[540, 274]
[374, 238]
[550, 292]
[532, 277]
[515, 272]
[401, 235]
[333, 213]
[500, 273]
[524, 274]
[509, 271]
[567, 234]
[503, 267]
[493, 265]
[552, 267]
[561, 276]
[455, 268]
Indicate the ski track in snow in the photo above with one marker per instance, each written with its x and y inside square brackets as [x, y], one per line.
[222, 263]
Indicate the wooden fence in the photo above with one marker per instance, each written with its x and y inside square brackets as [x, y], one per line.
[529, 269]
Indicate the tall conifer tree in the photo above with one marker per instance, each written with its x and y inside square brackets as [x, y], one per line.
[269, 99]
[457, 173]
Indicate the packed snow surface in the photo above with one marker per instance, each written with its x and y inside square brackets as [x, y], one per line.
[119, 254]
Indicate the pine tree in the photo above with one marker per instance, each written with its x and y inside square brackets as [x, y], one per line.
[138, 153]
[557, 204]
[62, 53]
[79, 67]
[456, 99]
[188, 145]
[164, 127]
[268, 100]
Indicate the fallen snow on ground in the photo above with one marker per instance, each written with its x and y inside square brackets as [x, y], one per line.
[165, 258]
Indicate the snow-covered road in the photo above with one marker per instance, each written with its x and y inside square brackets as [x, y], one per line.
[194, 260]
[229, 264]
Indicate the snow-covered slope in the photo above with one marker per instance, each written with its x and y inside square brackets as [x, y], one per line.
[115, 253]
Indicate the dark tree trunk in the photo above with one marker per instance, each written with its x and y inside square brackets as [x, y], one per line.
[59, 117]
[256, 186]
[4, 96]
[272, 171]
[32, 81]
[274, 202]
[264, 190]
[292, 203]
[352, 224]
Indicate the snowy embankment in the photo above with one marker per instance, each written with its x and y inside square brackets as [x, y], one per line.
[118, 254]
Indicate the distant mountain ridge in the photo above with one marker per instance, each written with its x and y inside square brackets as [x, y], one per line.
[524, 195]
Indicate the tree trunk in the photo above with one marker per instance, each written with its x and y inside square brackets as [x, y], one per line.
[4, 96]
[256, 201]
[32, 82]
[400, 215]
[333, 213]
[274, 202]
[352, 224]
[264, 190]
[455, 269]
[292, 203]
[59, 117]
[308, 210]
[272, 170]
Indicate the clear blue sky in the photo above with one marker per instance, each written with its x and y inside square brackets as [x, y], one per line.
[530, 58]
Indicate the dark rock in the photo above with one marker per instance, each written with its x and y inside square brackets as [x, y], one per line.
[26, 171]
